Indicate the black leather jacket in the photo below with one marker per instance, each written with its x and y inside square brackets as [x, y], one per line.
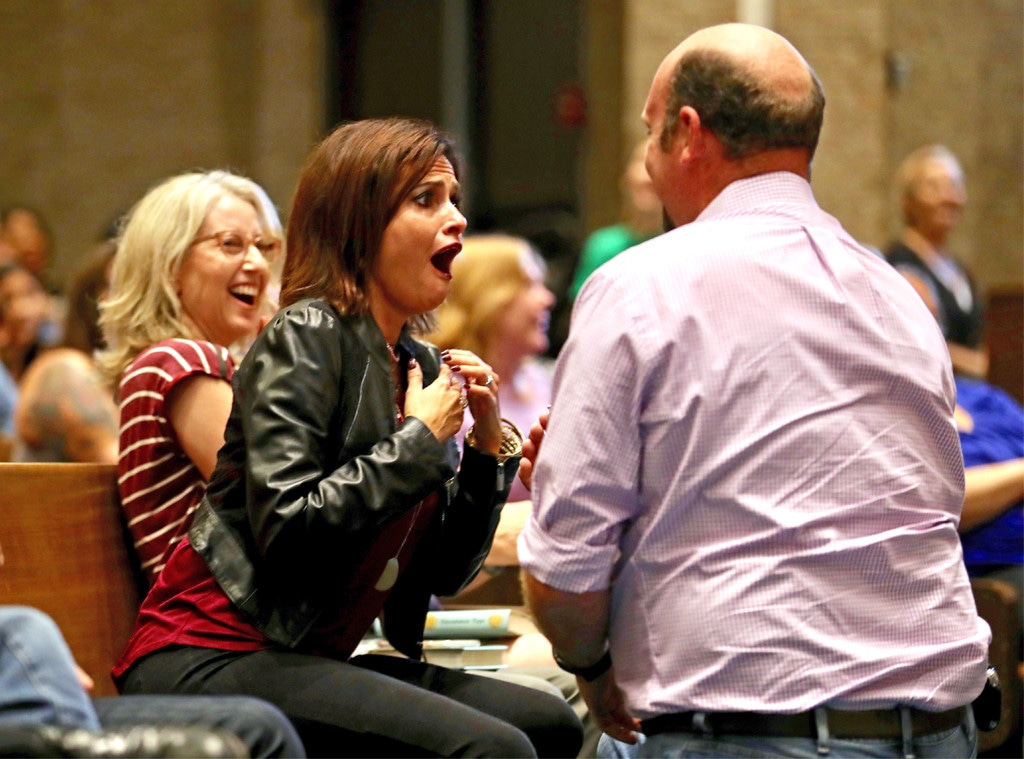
[314, 464]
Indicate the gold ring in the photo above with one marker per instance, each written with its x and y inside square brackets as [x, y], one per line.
[463, 400]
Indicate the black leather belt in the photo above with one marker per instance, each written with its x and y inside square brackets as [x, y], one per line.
[879, 723]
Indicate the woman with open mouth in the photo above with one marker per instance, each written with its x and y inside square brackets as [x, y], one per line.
[339, 495]
[188, 282]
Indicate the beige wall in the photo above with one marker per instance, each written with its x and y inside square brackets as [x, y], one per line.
[101, 99]
[963, 87]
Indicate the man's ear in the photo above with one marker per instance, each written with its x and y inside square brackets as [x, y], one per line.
[689, 133]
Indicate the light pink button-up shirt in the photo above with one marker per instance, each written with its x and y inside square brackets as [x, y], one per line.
[752, 442]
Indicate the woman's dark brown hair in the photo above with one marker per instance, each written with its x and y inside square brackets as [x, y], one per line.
[350, 188]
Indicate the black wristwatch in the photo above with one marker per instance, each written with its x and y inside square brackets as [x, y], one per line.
[589, 673]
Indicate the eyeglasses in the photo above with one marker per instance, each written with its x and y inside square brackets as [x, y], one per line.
[236, 244]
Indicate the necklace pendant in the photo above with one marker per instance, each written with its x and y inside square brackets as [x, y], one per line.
[388, 577]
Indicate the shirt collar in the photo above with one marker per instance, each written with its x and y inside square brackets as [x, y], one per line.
[777, 188]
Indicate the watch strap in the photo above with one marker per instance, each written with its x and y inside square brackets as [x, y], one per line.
[590, 672]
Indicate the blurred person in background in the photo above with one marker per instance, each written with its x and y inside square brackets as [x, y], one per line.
[27, 235]
[66, 410]
[991, 428]
[499, 307]
[8, 254]
[46, 708]
[22, 312]
[641, 220]
[8, 403]
[932, 195]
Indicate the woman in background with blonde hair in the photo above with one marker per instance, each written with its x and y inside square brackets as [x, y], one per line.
[498, 307]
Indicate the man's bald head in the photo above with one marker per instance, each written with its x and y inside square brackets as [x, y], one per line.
[752, 89]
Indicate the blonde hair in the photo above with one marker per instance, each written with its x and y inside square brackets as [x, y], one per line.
[486, 276]
[143, 307]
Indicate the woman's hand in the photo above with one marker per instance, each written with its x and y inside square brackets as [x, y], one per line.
[481, 390]
[438, 405]
[83, 679]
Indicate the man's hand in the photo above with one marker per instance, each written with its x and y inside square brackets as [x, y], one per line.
[531, 448]
[577, 625]
[608, 708]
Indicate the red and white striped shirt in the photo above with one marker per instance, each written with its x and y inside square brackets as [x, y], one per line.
[160, 486]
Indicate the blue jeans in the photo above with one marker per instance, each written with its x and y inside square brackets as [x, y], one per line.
[958, 743]
[38, 686]
[261, 726]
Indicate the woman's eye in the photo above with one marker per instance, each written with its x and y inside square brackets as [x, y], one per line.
[423, 199]
[232, 243]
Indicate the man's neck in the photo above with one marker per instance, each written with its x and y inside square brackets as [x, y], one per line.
[926, 249]
[793, 160]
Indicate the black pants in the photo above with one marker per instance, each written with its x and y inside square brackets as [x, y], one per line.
[374, 706]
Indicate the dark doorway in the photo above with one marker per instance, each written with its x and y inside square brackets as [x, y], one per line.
[505, 78]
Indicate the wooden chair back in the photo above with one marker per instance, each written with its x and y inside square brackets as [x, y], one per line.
[63, 550]
[998, 604]
[1004, 336]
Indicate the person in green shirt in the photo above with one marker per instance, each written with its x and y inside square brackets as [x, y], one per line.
[641, 220]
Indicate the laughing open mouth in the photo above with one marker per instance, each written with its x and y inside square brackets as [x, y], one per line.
[442, 260]
[246, 293]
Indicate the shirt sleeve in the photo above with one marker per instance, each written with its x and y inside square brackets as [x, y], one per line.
[171, 361]
[586, 479]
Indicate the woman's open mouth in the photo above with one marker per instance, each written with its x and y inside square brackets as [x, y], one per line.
[248, 294]
[442, 260]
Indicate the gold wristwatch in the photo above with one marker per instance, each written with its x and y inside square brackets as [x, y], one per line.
[511, 441]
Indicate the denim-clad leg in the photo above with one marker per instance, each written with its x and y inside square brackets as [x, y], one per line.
[38, 682]
[261, 726]
[609, 748]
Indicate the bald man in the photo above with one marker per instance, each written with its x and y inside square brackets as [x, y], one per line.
[745, 513]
